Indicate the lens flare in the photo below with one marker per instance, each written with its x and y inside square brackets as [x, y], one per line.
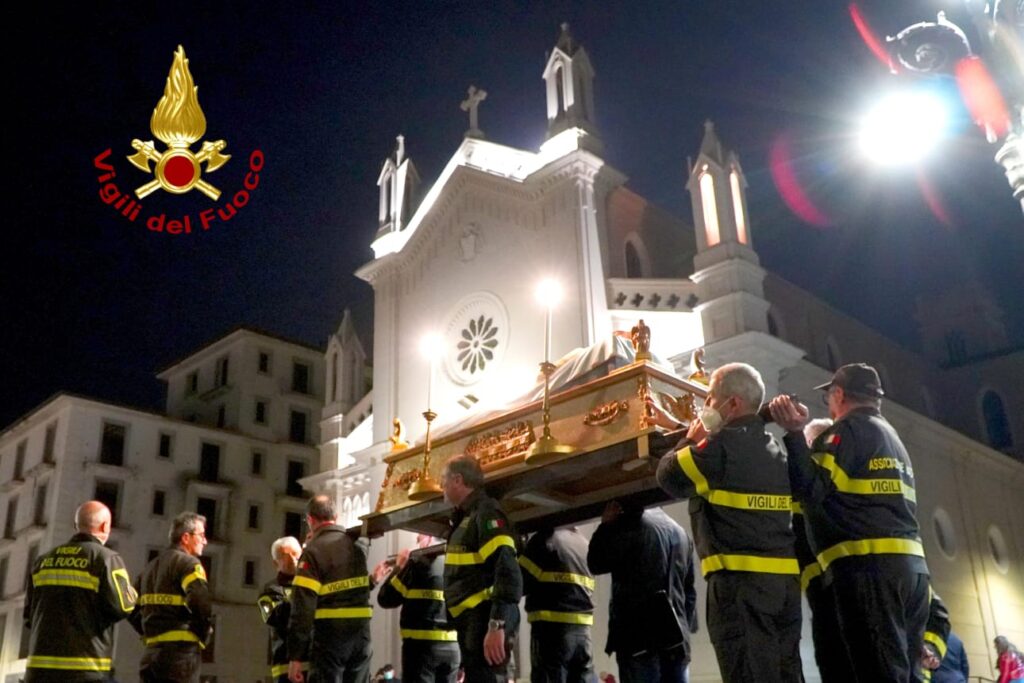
[934, 202]
[792, 193]
[903, 127]
[868, 36]
[983, 99]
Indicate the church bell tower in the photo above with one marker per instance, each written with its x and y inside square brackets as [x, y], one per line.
[398, 182]
[570, 87]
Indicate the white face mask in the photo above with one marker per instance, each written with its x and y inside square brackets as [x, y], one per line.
[711, 419]
[388, 675]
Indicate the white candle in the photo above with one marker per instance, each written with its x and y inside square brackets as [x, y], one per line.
[430, 380]
[547, 335]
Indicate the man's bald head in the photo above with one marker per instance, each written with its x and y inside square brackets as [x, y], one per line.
[93, 517]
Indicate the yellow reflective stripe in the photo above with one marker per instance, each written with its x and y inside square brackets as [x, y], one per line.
[173, 637]
[936, 640]
[480, 556]
[555, 577]
[870, 546]
[561, 617]
[810, 572]
[161, 599]
[282, 669]
[797, 508]
[863, 487]
[344, 613]
[68, 663]
[750, 563]
[471, 602]
[767, 502]
[127, 596]
[345, 585]
[415, 593]
[306, 582]
[197, 573]
[72, 578]
[415, 634]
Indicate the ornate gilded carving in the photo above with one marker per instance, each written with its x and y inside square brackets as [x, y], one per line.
[700, 368]
[641, 336]
[643, 392]
[606, 413]
[683, 409]
[384, 484]
[397, 442]
[501, 444]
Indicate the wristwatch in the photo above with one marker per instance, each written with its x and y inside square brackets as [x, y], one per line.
[496, 625]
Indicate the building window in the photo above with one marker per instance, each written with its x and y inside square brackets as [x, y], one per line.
[832, 356]
[19, 460]
[334, 377]
[48, 444]
[192, 383]
[5, 563]
[997, 426]
[109, 493]
[12, 517]
[773, 325]
[737, 207]
[39, 517]
[33, 555]
[292, 524]
[297, 427]
[209, 462]
[296, 471]
[222, 372]
[256, 465]
[634, 267]
[222, 416]
[300, 377]
[112, 444]
[254, 516]
[152, 554]
[945, 536]
[709, 208]
[159, 499]
[263, 365]
[165, 446]
[249, 573]
[261, 412]
[207, 507]
[998, 549]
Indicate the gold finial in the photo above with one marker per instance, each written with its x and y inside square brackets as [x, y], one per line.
[641, 336]
[700, 369]
[397, 431]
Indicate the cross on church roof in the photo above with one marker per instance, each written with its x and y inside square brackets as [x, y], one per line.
[470, 104]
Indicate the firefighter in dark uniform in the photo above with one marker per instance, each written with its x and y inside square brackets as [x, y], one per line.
[430, 651]
[275, 603]
[76, 593]
[734, 474]
[330, 621]
[174, 612]
[482, 583]
[558, 587]
[857, 492]
[653, 608]
[936, 634]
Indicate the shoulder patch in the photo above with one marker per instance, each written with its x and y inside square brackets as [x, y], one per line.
[496, 523]
[702, 444]
[832, 440]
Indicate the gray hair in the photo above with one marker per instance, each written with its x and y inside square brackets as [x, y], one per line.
[276, 546]
[321, 508]
[742, 381]
[185, 523]
[814, 428]
[467, 468]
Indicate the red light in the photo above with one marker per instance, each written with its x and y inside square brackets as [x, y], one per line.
[868, 36]
[982, 97]
[789, 186]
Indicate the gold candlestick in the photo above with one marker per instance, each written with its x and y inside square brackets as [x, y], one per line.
[426, 486]
[547, 448]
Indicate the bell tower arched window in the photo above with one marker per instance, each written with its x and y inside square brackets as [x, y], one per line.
[997, 426]
[707, 200]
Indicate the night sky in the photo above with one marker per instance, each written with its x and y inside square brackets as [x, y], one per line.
[96, 304]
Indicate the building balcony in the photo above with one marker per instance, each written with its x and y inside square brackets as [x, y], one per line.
[215, 393]
[42, 468]
[651, 294]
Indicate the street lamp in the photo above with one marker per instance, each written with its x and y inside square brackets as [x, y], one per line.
[903, 127]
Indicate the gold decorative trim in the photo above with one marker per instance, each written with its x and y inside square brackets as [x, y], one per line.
[606, 413]
[501, 444]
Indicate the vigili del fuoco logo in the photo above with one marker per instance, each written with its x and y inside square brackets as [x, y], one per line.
[178, 122]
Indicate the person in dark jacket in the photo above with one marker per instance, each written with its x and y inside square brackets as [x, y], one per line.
[859, 503]
[936, 637]
[174, 612]
[954, 667]
[329, 624]
[430, 653]
[76, 594]
[482, 583]
[734, 474]
[654, 604]
[558, 587]
[275, 603]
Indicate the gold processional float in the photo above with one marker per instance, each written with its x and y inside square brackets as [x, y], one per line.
[596, 443]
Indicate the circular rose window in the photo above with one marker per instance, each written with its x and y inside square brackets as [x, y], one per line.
[475, 338]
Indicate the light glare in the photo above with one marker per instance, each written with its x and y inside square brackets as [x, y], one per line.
[431, 346]
[549, 293]
[903, 127]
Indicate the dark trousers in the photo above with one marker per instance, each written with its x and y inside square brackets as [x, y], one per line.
[882, 606]
[428, 661]
[560, 653]
[653, 667]
[344, 657]
[471, 626]
[754, 622]
[35, 675]
[829, 650]
[170, 663]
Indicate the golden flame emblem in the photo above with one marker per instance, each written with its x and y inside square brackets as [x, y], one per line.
[178, 122]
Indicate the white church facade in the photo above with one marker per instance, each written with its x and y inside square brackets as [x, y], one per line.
[462, 260]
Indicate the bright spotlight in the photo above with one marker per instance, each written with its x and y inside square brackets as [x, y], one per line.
[548, 293]
[431, 346]
[903, 127]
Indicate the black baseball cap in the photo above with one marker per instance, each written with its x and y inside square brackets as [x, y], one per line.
[856, 378]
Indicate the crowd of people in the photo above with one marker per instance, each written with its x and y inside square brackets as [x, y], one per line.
[828, 511]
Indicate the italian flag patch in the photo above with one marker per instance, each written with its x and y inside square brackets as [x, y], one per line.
[493, 524]
[832, 440]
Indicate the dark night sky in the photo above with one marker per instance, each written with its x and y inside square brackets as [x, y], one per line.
[95, 304]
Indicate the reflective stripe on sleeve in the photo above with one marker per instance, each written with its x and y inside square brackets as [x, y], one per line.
[762, 502]
[863, 487]
[173, 637]
[282, 669]
[471, 602]
[344, 585]
[161, 599]
[197, 574]
[870, 546]
[750, 563]
[555, 577]
[68, 663]
[810, 572]
[72, 578]
[344, 613]
[433, 634]
[415, 593]
[936, 640]
[306, 582]
[480, 556]
[561, 617]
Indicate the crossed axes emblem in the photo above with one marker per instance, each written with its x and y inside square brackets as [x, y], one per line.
[178, 170]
